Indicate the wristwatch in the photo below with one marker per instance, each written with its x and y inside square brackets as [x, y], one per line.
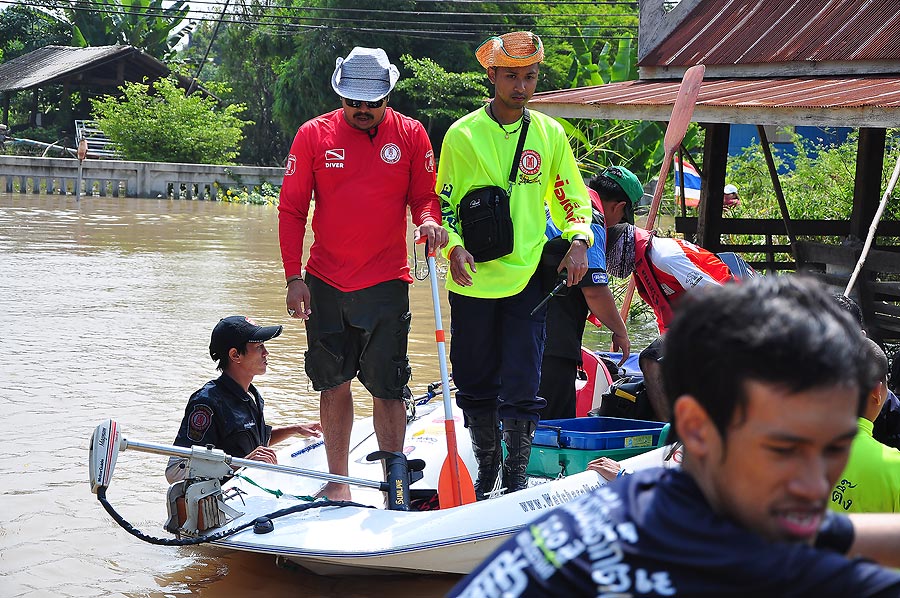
[580, 237]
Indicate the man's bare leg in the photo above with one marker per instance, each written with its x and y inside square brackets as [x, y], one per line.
[336, 413]
[390, 423]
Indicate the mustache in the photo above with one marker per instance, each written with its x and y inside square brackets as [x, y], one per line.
[362, 115]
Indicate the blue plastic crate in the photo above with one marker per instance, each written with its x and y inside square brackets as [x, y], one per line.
[598, 433]
[566, 446]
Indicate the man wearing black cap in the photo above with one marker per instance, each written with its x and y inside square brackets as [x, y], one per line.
[228, 411]
[366, 165]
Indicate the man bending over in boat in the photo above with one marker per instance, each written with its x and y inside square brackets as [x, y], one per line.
[228, 411]
[664, 270]
[765, 381]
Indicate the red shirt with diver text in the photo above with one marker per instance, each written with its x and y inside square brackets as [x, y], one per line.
[362, 183]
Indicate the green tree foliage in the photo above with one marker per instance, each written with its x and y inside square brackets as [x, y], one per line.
[151, 25]
[637, 145]
[24, 29]
[445, 32]
[278, 58]
[166, 126]
[247, 58]
[440, 95]
[818, 185]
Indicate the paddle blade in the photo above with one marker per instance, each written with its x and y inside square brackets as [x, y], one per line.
[682, 112]
[684, 107]
[449, 493]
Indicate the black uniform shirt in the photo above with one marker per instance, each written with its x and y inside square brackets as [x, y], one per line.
[223, 415]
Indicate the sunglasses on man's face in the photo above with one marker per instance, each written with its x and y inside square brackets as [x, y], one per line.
[358, 103]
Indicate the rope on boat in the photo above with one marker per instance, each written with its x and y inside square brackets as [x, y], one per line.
[276, 493]
[101, 496]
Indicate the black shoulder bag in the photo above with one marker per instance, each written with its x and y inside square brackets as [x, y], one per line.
[487, 227]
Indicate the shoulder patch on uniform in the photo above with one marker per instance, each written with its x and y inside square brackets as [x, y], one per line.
[199, 422]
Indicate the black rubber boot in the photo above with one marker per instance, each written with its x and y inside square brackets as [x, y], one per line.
[485, 434]
[517, 435]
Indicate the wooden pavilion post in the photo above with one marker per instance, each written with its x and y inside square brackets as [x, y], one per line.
[715, 159]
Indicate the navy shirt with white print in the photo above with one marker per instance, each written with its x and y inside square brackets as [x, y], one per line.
[653, 534]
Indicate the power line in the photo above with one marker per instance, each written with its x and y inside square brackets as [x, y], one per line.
[290, 28]
[273, 8]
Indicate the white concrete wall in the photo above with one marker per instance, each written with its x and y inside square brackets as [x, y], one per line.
[128, 179]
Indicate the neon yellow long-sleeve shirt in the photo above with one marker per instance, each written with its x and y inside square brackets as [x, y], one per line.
[871, 481]
[476, 153]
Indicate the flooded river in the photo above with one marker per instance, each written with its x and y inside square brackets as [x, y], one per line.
[106, 306]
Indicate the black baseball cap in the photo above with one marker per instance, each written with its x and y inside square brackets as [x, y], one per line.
[237, 331]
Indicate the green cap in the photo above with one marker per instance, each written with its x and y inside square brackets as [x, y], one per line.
[629, 184]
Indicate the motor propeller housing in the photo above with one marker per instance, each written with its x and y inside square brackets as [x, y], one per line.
[104, 449]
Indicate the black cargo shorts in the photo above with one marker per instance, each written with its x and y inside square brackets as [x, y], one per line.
[361, 334]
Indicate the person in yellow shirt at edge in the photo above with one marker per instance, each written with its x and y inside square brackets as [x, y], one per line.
[496, 340]
[871, 481]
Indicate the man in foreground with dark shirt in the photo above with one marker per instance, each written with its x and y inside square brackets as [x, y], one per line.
[766, 379]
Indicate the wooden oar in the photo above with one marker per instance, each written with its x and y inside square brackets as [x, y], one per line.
[455, 485]
[678, 124]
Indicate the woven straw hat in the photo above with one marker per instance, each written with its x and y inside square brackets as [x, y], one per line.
[519, 48]
[366, 74]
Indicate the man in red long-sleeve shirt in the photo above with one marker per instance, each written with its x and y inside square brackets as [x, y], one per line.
[364, 164]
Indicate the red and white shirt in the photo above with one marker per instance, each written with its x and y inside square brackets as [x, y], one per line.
[362, 183]
[667, 268]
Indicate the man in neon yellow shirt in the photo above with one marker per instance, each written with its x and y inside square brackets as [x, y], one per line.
[871, 481]
[497, 335]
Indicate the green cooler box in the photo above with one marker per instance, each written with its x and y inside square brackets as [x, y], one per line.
[566, 446]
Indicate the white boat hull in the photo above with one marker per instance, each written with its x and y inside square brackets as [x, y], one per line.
[363, 540]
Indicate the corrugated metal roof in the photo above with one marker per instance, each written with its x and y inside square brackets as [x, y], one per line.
[733, 32]
[835, 101]
[51, 63]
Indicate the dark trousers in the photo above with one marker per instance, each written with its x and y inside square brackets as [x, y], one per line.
[496, 348]
[558, 387]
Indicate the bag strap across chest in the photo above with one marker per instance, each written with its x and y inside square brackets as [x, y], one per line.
[526, 120]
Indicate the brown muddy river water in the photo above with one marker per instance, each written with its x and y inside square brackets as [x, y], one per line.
[106, 306]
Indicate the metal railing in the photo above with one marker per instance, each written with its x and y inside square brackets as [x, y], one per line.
[99, 145]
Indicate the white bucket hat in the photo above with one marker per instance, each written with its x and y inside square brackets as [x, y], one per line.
[366, 74]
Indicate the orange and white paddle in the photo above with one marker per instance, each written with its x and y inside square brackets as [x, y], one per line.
[455, 485]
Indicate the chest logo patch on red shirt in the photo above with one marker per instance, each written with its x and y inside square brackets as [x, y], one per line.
[530, 164]
[429, 161]
[334, 158]
[199, 422]
[390, 153]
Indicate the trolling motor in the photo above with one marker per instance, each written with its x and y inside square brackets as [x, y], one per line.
[197, 503]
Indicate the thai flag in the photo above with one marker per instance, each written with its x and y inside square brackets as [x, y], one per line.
[691, 184]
